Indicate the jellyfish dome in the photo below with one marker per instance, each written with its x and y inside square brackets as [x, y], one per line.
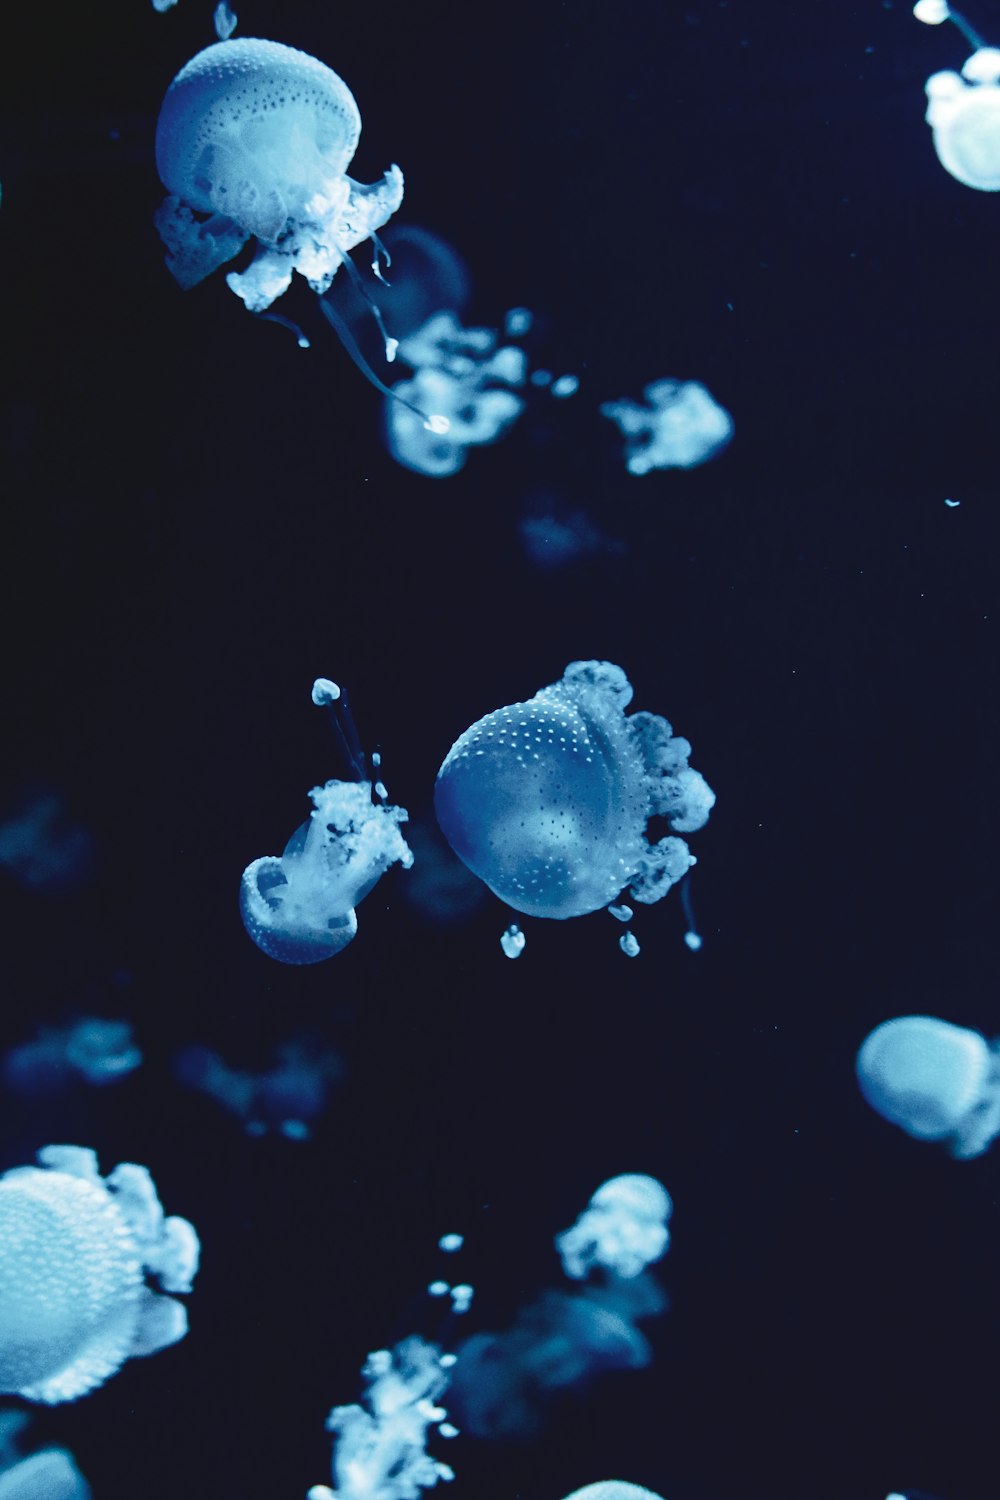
[547, 801]
[77, 1253]
[936, 1081]
[254, 140]
[612, 1489]
[622, 1230]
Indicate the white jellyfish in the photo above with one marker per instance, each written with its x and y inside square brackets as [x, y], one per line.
[963, 109]
[254, 140]
[938, 1082]
[612, 1489]
[77, 1252]
[680, 427]
[49, 1474]
[299, 907]
[623, 1229]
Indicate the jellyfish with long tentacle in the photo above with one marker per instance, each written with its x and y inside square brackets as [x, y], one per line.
[299, 907]
[963, 109]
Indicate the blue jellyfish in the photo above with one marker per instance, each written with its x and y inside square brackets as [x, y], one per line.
[49, 1474]
[380, 1452]
[42, 847]
[936, 1081]
[963, 109]
[77, 1252]
[287, 1097]
[623, 1229]
[614, 1489]
[680, 427]
[299, 907]
[547, 801]
[94, 1050]
[254, 140]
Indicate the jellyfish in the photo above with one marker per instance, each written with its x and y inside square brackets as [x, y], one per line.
[624, 1228]
[548, 801]
[97, 1051]
[42, 847]
[464, 375]
[680, 427]
[963, 109]
[299, 907]
[77, 1254]
[49, 1474]
[936, 1081]
[287, 1097]
[441, 890]
[613, 1489]
[380, 1452]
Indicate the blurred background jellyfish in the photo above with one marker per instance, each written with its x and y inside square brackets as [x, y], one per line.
[963, 109]
[77, 1254]
[612, 1489]
[41, 847]
[285, 1098]
[624, 1228]
[936, 1081]
[441, 889]
[680, 426]
[380, 1448]
[299, 907]
[49, 1474]
[548, 800]
[91, 1050]
[555, 536]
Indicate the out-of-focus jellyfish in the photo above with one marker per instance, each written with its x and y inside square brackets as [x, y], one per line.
[49, 1474]
[253, 141]
[441, 889]
[468, 377]
[624, 1228]
[380, 1448]
[963, 109]
[936, 1081]
[548, 801]
[424, 276]
[224, 20]
[680, 426]
[554, 536]
[42, 847]
[77, 1254]
[287, 1097]
[612, 1489]
[97, 1051]
[299, 907]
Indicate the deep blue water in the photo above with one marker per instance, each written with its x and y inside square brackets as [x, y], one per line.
[199, 518]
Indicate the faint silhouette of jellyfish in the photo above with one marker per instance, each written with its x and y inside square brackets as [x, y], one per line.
[49, 1474]
[613, 1489]
[42, 848]
[426, 276]
[936, 1081]
[76, 1250]
[441, 889]
[501, 1382]
[286, 1098]
[467, 377]
[680, 427]
[548, 801]
[553, 536]
[624, 1228]
[299, 907]
[96, 1051]
[224, 20]
[963, 110]
[380, 1451]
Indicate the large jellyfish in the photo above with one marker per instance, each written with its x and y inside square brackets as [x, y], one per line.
[77, 1252]
[254, 140]
[680, 427]
[936, 1081]
[548, 801]
[963, 109]
[299, 907]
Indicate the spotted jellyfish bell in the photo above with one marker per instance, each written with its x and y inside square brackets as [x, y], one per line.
[548, 801]
[76, 1251]
[300, 907]
[936, 1081]
[963, 109]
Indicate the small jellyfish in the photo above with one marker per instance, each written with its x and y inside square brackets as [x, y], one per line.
[287, 1098]
[253, 141]
[42, 848]
[554, 536]
[680, 427]
[612, 1489]
[936, 1081]
[548, 801]
[963, 109]
[623, 1229]
[49, 1474]
[97, 1051]
[299, 907]
[76, 1254]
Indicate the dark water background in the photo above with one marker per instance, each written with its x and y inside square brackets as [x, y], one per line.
[199, 518]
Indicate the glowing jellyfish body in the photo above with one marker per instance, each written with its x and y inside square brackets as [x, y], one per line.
[963, 109]
[936, 1081]
[680, 426]
[253, 141]
[613, 1489]
[623, 1229]
[76, 1254]
[299, 907]
[547, 801]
